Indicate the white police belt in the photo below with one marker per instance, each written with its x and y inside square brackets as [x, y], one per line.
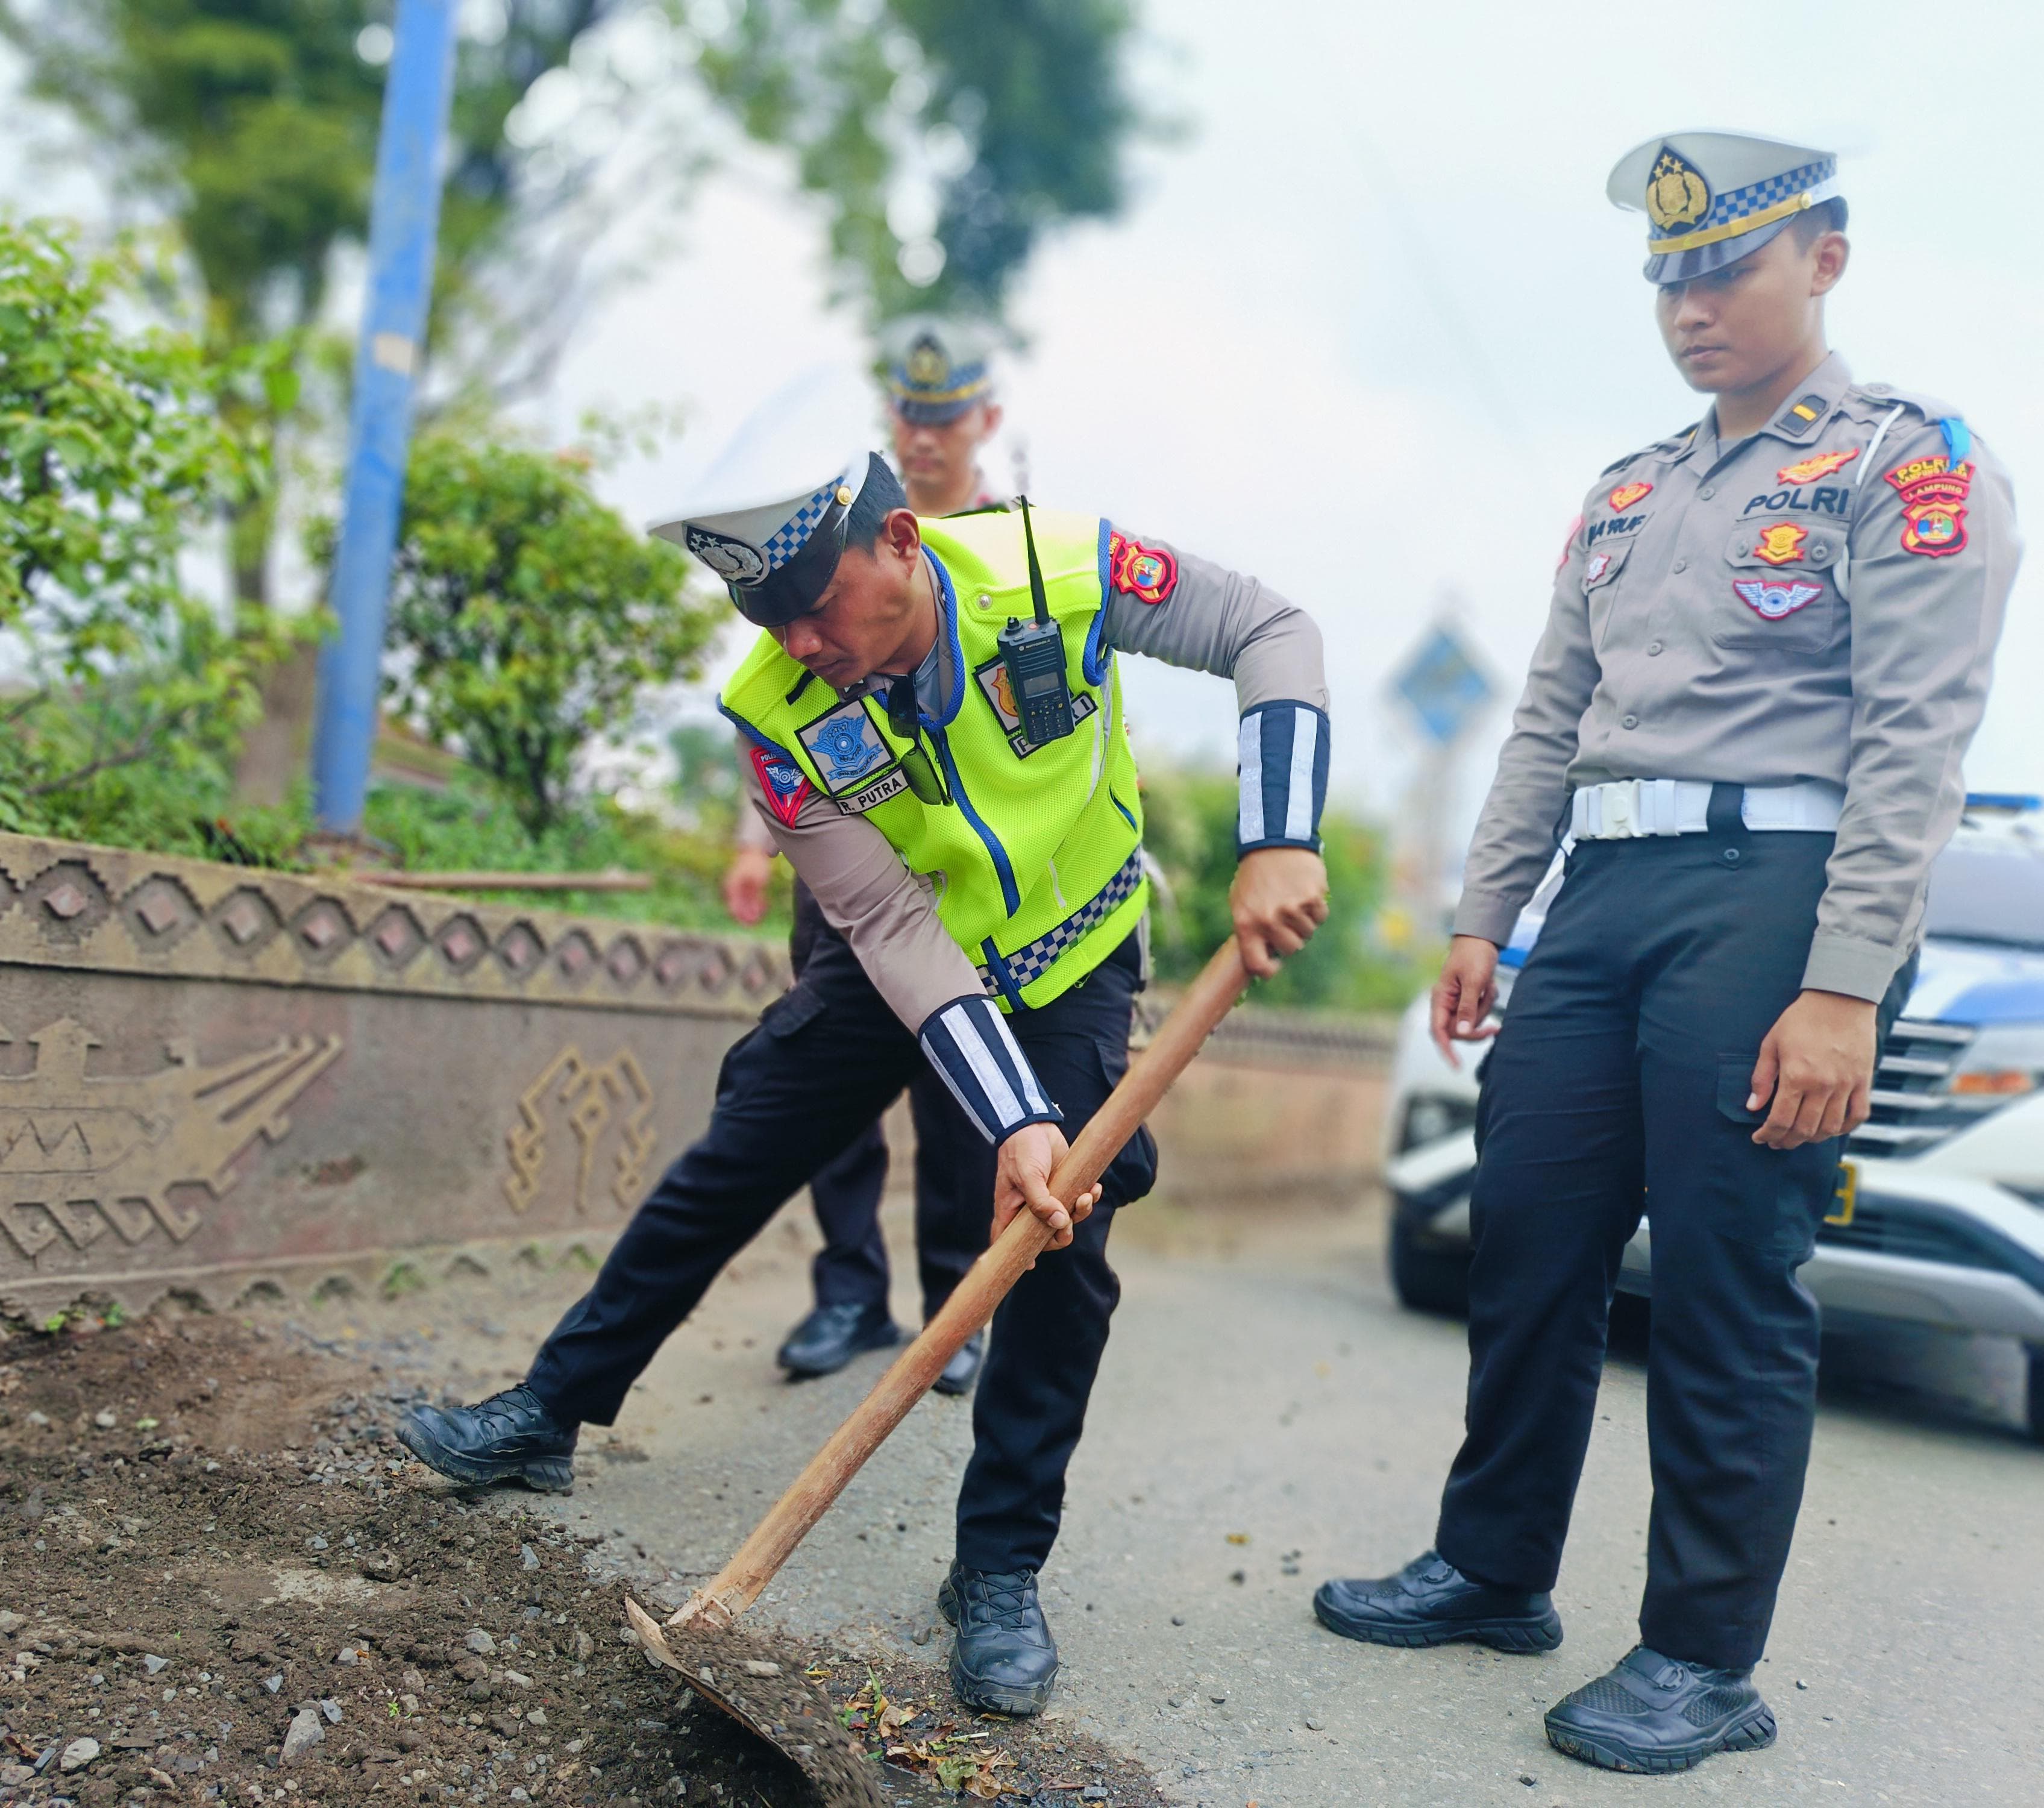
[1629, 808]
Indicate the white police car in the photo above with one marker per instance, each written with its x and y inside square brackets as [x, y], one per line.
[1940, 1215]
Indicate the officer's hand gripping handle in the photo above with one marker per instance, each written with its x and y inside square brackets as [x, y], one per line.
[1177, 1040]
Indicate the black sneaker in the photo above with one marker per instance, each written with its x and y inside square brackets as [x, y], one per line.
[1429, 1602]
[1653, 1713]
[1003, 1659]
[509, 1437]
[962, 1370]
[832, 1335]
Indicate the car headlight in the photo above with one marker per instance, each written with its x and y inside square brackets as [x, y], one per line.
[2003, 1061]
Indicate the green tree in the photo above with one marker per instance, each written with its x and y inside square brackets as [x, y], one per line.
[945, 136]
[113, 446]
[252, 124]
[526, 618]
[1189, 826]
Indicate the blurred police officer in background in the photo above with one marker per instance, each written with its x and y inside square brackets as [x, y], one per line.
[1768, 649]
[941, 402]
[936, 738]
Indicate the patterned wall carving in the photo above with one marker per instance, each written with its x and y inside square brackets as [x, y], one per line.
[109, 909]
[81, 1154]
[588, 1098]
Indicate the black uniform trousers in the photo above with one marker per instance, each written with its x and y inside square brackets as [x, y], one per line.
[851, 1268]
[1619, 1083]
[791, 1096]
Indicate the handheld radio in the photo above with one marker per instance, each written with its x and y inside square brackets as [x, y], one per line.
[1033, 655]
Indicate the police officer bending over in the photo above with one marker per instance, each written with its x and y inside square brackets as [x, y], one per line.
[940, 397]
[934, 726]
[1768, 649]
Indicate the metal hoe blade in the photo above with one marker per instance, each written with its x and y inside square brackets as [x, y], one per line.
[762, 1688]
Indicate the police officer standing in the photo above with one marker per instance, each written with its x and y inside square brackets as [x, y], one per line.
[1768, 649]
[941, 401]
[934, 736]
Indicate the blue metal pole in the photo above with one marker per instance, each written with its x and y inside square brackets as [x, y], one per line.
[404, 221]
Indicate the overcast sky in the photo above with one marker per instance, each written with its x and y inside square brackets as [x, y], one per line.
[1371, 331]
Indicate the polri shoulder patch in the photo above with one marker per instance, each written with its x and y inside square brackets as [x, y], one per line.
[1568, 544]
[786, 787]
[1147, 573]
[1933, 492]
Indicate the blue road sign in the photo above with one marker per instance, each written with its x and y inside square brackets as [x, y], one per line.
[1442, 685]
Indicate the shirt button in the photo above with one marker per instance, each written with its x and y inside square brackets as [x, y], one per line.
[1653, 647]
[1741, 550]
[1629, 722]
[1707, 491]
[1679, 565]
[985, 601]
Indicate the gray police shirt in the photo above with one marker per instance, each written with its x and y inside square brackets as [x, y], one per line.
[1819, 601]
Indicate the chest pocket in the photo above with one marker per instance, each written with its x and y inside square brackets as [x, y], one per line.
[1779, 594]
[1602, 591]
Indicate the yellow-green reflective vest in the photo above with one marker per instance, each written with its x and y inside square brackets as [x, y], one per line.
[1034, 864]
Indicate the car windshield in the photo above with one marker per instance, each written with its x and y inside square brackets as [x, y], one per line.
[1994, 894]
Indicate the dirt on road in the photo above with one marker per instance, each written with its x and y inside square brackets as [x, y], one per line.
[221, 1580]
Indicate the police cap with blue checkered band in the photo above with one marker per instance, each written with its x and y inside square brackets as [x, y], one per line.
[1713, 198]
[937, 369]
[776, 558]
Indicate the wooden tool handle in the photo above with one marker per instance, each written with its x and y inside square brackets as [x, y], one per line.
[1178, 1038]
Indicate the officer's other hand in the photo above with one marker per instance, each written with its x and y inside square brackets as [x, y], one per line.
[1463, 995]
[1022, 1177]
[745, 883]
[1278, 898]
[1817, 1066]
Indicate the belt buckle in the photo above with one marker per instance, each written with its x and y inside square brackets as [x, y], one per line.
[1621, 809]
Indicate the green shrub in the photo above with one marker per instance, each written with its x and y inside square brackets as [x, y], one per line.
[527, 619]
[1189, 819]
[471, 826]
[113, 448]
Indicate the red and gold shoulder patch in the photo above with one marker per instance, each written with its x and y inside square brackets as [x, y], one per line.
[1626, 495]
[1568, 544]
[1147, 573]
[1819, 464]
[1933, 492]
[786, 787]
[1781, 544]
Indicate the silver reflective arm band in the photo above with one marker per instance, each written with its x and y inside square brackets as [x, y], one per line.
[968, 1043]
[1284, 776]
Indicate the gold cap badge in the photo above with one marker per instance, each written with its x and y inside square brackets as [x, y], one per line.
[927, 366]
[1677, 197]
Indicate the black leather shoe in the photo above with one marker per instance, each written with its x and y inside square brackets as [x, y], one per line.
[1004, 1658]
[1429, 1602]
[1652, 1712]
[832, 1335]
[509, 1437]
[962, 1370]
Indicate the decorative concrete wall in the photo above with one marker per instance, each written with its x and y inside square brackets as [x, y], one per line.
[212, 1077]
[1282, 1110]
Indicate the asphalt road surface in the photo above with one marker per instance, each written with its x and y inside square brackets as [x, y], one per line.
[1270, 1417]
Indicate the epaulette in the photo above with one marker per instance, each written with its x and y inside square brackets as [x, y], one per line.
[1674, 442]
[1883, 396]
